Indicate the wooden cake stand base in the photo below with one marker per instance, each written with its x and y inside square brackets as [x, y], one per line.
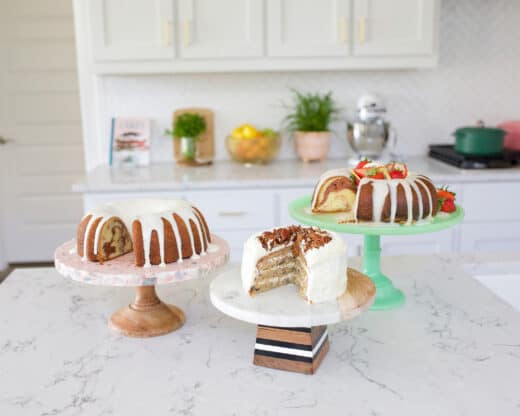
[291, 334]
[292, 349]
[147, 316]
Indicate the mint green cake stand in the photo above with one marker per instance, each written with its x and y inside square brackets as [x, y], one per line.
[387, 296]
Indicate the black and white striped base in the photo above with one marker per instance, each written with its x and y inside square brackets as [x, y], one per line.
[292, 349]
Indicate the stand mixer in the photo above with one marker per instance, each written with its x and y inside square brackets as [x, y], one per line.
[369, 134]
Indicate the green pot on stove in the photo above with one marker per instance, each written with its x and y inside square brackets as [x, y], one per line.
[479, 141]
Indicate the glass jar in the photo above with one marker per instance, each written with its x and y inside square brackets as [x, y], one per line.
[188, 149]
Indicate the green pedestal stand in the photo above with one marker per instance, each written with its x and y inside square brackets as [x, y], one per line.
[387, 296]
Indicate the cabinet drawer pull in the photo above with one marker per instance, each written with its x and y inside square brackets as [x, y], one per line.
[231, 213]
[167, 29]
[342, 29]
[186, 32]
[362, 29]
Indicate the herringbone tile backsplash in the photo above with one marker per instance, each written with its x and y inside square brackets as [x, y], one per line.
[478, 77]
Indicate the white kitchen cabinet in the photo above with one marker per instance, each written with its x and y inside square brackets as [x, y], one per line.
[490, 236]
[220, 29]
[315, 28]
[431, 243]
[134, 30]
[186, 36]
[235, 209]
[397, 27]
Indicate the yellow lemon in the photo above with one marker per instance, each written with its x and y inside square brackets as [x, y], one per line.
[249, 132]
[237, 133]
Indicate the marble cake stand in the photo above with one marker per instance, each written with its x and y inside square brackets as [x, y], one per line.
[147, 316]
[387, 296]
[291, 334]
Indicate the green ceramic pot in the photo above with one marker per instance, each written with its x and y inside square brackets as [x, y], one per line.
[479, 141]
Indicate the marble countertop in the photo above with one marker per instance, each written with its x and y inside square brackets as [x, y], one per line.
[453, 349]
[282, 173]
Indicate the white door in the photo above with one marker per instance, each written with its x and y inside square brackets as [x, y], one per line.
[131, 30]
[397, 27]
[308, 28]
[220, 29]
[39, 115]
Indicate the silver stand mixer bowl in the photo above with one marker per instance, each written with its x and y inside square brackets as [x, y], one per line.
[370, 138]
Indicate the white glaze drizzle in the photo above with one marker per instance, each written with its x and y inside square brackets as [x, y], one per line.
[420, 180]
[379, 193]
[392, 185]
[150, 213]
[382, 188]
[414, 186]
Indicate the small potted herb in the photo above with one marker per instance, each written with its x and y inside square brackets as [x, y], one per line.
[309, 120]
[187, 128]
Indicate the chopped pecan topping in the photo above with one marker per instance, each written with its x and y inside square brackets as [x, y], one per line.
[303, 238]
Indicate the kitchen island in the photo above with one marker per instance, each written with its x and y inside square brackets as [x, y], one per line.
[453, 349]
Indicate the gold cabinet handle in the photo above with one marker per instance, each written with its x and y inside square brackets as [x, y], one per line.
[362, 29]
[166, 32]
[231, 213]
[342, 29]
[186, 32]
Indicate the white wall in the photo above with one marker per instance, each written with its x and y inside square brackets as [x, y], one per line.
[478, 77]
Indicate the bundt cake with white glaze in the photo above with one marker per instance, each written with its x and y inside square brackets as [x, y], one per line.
[312, 259]
[373, 192]
[158, 231]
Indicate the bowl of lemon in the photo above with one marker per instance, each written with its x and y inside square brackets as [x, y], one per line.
[247, 144]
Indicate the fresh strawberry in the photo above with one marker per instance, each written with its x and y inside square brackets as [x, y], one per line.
[372, 173]
[396, 174]
[397, 170]
[446, 200]
[445, 194]
[362, 163]
[448, 205]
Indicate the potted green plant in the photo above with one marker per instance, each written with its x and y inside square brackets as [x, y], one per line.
[309, 120]
[187, 128]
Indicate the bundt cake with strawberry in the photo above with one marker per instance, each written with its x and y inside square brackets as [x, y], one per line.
[374, 192]
[312, 259]
[158, 231]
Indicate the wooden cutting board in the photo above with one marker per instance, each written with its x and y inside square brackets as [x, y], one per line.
[206, 142]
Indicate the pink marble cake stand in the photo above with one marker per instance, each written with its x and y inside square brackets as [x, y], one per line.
[147, 316]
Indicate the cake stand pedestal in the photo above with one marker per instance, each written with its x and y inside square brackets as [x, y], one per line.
[147, 316]
[291, 334]
[387, 296]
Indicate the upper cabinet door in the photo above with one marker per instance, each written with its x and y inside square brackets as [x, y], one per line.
[308, 28]
[397, 27]
[131, 30]
[220, 29]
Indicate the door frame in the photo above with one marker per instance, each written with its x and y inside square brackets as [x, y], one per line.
[3, 121]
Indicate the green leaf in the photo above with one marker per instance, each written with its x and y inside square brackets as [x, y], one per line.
[188, 125]
[311, 112]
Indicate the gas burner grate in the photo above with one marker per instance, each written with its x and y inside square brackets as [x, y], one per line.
[446, 153]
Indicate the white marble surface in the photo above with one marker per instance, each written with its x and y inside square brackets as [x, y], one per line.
[283, 306]
[282, 173]
[453, 349]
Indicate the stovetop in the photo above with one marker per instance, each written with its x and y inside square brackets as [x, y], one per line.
[446, 153]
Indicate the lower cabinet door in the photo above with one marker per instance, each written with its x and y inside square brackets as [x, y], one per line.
[236, 240]
[433, 243]
[480, 237]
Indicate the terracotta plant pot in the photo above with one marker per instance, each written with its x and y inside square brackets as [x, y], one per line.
[312, 145]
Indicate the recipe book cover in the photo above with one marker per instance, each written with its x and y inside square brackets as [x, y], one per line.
[130, 141]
